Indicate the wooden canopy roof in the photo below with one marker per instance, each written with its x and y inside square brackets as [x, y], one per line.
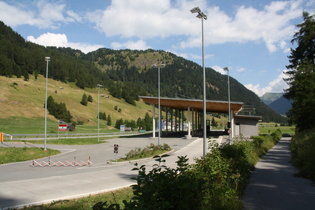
[197, 104]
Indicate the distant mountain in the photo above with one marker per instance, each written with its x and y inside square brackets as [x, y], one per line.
[268, 98]
[281, 105]
[277, 102]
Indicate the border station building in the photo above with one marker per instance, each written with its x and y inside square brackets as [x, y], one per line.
[241, 125]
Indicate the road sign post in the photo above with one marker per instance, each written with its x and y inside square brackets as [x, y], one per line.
[116, 151]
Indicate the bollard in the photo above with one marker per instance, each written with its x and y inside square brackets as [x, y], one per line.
[1, 137]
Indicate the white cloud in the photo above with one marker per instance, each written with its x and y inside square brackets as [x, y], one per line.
[240, 69]
[218, 69]
[61, 40]
[146, 19]
[138, 45]
[41, 13]
[277, 85]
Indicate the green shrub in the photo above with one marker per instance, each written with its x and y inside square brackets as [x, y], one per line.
[303, 149]
[165, 188]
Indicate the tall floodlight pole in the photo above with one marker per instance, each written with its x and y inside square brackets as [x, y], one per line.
[229, 123]
[203, 16]
[47, 59]
[159, 66]
[98, 112]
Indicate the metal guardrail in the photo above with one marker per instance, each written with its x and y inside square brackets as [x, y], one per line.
[68, 135]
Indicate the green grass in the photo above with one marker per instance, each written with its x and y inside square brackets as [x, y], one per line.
[113, 197]
[79, 141]
[21, 125]
[18, 154]
[268, 128]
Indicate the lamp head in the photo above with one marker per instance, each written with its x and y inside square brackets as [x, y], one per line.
[98, 85]
[225, 68]
[195, 10]
[47, 58]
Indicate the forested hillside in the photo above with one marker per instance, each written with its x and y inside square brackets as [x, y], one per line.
[126, 74]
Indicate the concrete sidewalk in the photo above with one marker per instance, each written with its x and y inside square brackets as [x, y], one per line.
[274, 186]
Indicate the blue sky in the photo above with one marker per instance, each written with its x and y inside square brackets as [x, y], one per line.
[251, 38]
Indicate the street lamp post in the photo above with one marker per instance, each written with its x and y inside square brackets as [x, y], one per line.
[98, 112]
[229, 123]
[159, 66]
[47, 59]
[203, 16]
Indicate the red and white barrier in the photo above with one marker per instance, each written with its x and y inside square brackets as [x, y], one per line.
[50, 163]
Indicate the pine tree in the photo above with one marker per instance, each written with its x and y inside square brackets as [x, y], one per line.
[109, 120]
[302, 75]
[84, 100]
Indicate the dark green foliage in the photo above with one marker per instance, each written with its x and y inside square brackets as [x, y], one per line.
[165, 188]
[84, 100]
[109, 120]
[302, 75]
[303, 149]
[216, 181]
[58, 110]
[102, 115]
[118, 123]
[142, 124]
[90, 99]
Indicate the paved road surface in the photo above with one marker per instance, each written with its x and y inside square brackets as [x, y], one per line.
[274, 186]
[22, 185]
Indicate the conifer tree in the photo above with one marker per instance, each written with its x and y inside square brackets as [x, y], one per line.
[302, 75]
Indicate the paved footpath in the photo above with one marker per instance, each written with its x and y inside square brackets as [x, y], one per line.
[274, 186]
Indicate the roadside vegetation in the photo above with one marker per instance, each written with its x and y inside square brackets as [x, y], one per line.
[301, 92]
[216, 181]
[303, 150]
[18, 154]
[149, 151]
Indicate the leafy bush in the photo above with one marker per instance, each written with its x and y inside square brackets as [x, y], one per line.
[303, 149]
[165, 188]
[216, 181]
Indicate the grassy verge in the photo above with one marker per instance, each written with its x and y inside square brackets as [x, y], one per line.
[269, 128]
[303, 150]
[22, 125]
[18, 154]
[78, 141]
[149, 151]
[108, 198]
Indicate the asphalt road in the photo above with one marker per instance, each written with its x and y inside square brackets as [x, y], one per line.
[22, 185]
[274, 185]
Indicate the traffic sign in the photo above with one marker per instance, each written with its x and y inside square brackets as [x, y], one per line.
[62, 127]
[115, 148]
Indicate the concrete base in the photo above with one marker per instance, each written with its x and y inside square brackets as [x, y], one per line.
[188, 136]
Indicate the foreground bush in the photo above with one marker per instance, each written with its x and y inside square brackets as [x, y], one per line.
[303, 150]
[216, 181]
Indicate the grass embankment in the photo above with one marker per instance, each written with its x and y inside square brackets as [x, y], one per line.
[17, 154]
[26, 98]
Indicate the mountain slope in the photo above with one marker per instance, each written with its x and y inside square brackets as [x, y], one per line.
[281, 105]
[268, 98]
[126, 74]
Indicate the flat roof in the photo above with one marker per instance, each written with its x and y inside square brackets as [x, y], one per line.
[197, 104]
